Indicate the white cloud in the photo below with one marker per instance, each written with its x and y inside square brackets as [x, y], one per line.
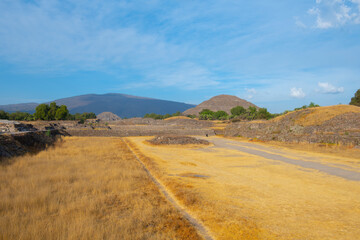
[297, 92]
[335, 13]
[320, 23]
[328, 88]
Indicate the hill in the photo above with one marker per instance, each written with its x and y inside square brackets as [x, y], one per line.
[220, 102]
[332, 124]
[120, 104]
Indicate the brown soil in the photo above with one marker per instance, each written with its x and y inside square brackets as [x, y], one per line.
[177, 140]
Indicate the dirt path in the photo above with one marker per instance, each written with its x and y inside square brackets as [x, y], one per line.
[198, 225]
[273, 154]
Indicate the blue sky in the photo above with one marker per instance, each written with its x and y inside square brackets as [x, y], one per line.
[276, 54]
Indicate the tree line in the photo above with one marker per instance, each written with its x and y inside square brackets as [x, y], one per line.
[238, 112]
[159, 116]
[47, 112]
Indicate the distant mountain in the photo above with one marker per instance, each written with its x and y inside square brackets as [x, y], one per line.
[220, 103]
[120, 104]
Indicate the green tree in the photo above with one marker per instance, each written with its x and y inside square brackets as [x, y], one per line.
[19, 116]
[220, 115]
[61, 113]
[206, 114]
[52, 110]
[4, 115]
[176, 114]
[238, 110]
[356, 99]
[263, 114]
[41, 112]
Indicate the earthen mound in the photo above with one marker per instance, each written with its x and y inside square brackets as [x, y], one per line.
[108, 116]
[332, 124]
[220, 103]
[177, 140]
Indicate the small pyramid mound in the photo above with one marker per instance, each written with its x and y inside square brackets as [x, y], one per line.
[108, 116]
[220, 103]
[318, 115]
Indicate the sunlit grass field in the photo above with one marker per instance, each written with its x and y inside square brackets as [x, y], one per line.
[85, 188]
[243, 196]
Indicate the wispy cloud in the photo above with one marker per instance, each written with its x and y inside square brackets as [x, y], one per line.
[329, 88]
[297, 92]
[335, 13]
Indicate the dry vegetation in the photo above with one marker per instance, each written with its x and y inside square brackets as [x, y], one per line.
[176, 117]
[242, 196]
[85, 188]
[319, 115]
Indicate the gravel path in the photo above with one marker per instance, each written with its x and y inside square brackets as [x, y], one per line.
[273, 154]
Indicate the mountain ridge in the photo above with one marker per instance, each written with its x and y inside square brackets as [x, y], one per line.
[123, 105]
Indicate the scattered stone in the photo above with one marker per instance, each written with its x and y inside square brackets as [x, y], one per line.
[177, 140]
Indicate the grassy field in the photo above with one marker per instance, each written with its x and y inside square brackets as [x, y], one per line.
[243, 196]
[85, 188]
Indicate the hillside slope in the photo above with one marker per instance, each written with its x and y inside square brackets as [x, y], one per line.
[220, 103]
[332, 124]
[119, 104]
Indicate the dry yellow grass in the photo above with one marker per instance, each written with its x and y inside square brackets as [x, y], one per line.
[177, 117]
[242, 196]
[85, 188]
[319, 115]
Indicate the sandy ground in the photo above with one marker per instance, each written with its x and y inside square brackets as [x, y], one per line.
[252, 191]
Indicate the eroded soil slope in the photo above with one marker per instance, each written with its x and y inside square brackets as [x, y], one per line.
[333, 124]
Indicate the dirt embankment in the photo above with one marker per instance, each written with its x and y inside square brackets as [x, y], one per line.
[28, 142]
[335, 124]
